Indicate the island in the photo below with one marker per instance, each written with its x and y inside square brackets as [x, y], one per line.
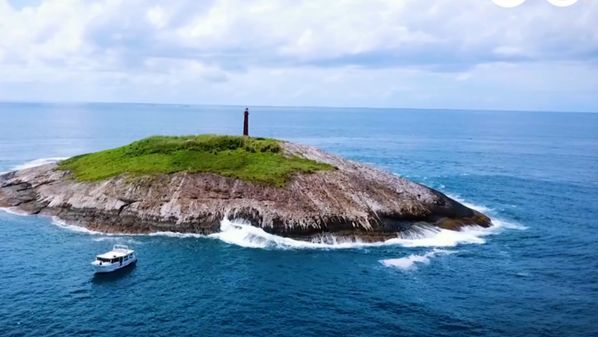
[189, 184]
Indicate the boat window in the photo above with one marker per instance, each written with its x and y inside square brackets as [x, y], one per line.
[101, 259]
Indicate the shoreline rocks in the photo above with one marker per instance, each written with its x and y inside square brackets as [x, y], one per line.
[354, 201]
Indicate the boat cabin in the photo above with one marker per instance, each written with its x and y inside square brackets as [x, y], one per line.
[119, 254]
[104, 259]
[119, 257]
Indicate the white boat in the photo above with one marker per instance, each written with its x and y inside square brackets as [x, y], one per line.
[119, 257]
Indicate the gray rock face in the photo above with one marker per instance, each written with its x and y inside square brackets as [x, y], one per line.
[354, 201]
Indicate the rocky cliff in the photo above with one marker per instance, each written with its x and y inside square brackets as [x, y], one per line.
[354, 201]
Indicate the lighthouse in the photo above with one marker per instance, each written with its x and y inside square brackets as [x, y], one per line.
[246, 122]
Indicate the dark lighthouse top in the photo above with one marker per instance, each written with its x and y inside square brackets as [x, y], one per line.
[246, 123]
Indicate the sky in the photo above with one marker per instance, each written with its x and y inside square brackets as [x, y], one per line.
[454, 54]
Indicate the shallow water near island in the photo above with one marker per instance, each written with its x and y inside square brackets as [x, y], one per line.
[532, 273]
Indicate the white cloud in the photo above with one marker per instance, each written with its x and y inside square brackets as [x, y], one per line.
[157, 16]
[221, 47]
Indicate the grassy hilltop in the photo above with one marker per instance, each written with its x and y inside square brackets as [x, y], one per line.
[252, 159]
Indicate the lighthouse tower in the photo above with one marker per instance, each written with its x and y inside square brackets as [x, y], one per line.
[246, 123]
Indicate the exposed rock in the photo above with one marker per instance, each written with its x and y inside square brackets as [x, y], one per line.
[353, 201]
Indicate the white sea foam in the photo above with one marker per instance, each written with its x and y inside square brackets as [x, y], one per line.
[117, 239]
[410, 262]
[102, 236]
[115, 236]
[63, 224]
[244, 235]
[499, 224]
[106, 238]
[13, 211]
[176, 235]
[477, 207]
[37, 162]
[435, 237]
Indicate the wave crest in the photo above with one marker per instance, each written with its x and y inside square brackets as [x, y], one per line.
[37, 162]
[245, 235]
[79, 229]
[410, 262]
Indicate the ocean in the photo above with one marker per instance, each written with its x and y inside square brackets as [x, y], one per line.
[534, 273]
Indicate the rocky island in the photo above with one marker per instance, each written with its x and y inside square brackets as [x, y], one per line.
[190, 184]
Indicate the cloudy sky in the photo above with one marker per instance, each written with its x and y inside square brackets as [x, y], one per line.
[378, 53]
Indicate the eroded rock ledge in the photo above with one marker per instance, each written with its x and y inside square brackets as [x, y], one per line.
[354, 201]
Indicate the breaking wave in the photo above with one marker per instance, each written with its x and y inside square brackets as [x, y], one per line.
[447, 238]
[477, 207]
[177, 235]
[118, 239]
[499, 223]
[244, 235]
[37, 162]
[410, 262]
[74, 228]
[13, 211]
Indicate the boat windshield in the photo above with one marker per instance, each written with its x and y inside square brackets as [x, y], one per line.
[103, 259]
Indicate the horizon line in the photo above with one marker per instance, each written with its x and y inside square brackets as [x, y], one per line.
[290, 106]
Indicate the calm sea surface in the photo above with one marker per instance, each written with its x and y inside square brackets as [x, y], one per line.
[535, 273]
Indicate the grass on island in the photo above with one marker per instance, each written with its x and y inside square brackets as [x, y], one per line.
[251, 159]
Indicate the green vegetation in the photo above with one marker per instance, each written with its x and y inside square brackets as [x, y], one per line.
[251, 159]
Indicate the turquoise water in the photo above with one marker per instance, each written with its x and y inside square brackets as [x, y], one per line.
[535, 273]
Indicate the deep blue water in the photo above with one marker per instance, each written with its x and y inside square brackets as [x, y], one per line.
[535, 173]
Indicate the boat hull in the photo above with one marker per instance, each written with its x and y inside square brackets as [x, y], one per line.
[111, 267]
